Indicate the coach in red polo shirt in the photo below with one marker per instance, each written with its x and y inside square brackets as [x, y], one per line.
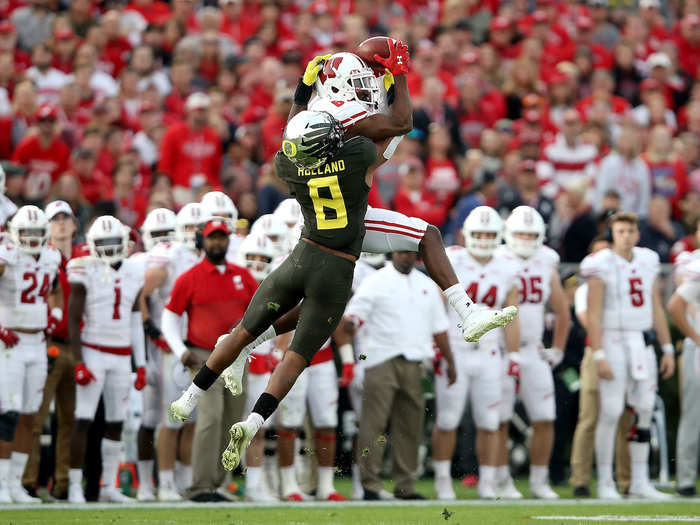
[214, 294]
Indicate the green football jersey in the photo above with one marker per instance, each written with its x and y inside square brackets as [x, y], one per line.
[333, 196]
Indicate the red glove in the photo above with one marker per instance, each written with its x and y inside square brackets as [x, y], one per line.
[437, 364]
[8, 337]
[83, 376]
[161, 343]
[398, 60]
[140, 381]
[514, 372]
[348, 374]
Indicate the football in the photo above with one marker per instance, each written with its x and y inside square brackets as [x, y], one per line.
[377, 45]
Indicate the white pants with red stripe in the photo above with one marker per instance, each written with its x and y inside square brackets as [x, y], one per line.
[390, 231]
[113, 380]
[24, 369]
[317, 385]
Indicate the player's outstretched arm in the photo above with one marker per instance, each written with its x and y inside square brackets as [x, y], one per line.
[305, 88]
[398, 122]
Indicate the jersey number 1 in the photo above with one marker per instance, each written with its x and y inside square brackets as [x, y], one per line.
[335, 202]
[117, 302]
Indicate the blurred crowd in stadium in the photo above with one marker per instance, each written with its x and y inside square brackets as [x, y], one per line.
[577, 109]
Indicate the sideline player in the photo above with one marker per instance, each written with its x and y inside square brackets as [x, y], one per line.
[104, 295]
[28, 270]
[491, 279]
[538, 285]
[624, 300]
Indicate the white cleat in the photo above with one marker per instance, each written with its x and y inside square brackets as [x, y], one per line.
[5, 495]
[259, 494]
[386, 495]
[114, 495]
[75, 493]
[648, 491]
[145, 493]
[508, 491]
[241, 435]
[486, 491]
[168, 494]
[19, 495]
[608, 492]
[233, 375]
[182, 407]
[482, 320]
[543, 492]
[444, 489]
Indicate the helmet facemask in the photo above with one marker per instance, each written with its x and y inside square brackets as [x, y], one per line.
[482, 243]
[110, 249]
[30, 240]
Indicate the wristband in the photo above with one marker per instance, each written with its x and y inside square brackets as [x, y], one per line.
[346, 353]
[668, 348]
[598, 355]
[303, 93]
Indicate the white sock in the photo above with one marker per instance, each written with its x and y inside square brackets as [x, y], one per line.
[538, 475]
[4, 472]
[288, 478]
[145, 471]
[639, 459]
[357, 490]
[166, 479]
[325, 482]
[487, 475]
[459, 300]
[75, 476]
[183, 476]
[502, 474]
[253, 478]
[111, 454]
[442, 468]
[256, 421]
[18, 460]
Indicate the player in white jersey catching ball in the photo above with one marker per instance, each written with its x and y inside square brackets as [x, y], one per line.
[624, 300]
[28, 270]
[538, 285]
[491, 280]
[104, 296]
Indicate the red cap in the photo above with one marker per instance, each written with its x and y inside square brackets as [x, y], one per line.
[540, 16]
[499, 23]
[528, 165]
[6, 27]
[584, 22]
[649, 83]
[215, 225]
[557, 77]
[46, 111]
[64, 34]
[320, 7]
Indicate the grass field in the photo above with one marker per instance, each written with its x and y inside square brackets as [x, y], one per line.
[465, 511]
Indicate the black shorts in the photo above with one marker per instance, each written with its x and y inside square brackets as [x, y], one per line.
[322, 280]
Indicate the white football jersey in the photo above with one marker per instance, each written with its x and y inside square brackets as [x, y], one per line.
[176, 258]
[345, 112]
[110, 297]
[25, 285]
[683, 262]
[628, 287]
[7, 209]
[486, 284]
[534, 288]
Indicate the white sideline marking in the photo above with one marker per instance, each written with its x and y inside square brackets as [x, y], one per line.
[345, 504]
[664, 519]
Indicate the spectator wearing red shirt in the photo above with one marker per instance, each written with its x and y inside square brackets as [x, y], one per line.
[602, 59]
[602, 91]
[8, 44]
[650, 11]
[153, 11]
[64, 45]
[190, 153]
[117, 47]
[95, 186]
[60, 382]
[688, 44]
[43, 154]
[215, 295]
[502, 35]
[414, 200]
[479, 108]
[427, 64]
[668, 175]
[240, 27]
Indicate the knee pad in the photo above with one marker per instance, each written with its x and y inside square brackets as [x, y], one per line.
[8, 424]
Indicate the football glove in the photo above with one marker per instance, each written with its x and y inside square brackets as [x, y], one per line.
[55, 318]
[313, 68]
[398, 59]
[347, 375]
[83, 376]
[140, 380]
[8, 337]
[553, 356]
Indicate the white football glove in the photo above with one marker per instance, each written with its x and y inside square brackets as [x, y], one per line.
[553, 356]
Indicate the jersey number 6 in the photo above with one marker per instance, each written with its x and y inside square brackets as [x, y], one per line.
[331, 201]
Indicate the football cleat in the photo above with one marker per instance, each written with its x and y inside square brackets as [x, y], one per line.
[259, 494]
[114, 495]
[334, 496]
[168, 494]
[608, 492]
[444, 489]
[19, 495]
[294, 496]
[543, 492]
[145, 493]
[75, 493]
[507, 490]
[486, 491]
[233, 375]
[482, 320]
[5, 495]
[648, 491]
[182, 407]
[241, 436]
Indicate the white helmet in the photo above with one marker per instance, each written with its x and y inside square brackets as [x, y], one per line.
[192, 214]
[274, 229]
[29, 229]
[524, 219]
[257, 244]
[347, 77]
[108, 239]
[220, 205]
[158, 226]
[289, 210]
[482, 219]
[2, 180]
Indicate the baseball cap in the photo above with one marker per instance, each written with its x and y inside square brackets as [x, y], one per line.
[216, 225]
[658, 60]
[56, 207]
[46, 111]
[197, 101]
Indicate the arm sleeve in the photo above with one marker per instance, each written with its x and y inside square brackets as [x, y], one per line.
[170, 325]
[581, 299]
[138, 341]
